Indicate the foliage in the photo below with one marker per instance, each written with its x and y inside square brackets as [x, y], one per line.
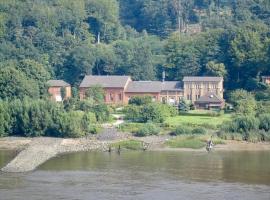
[264, 122]
[147, 129]
[152, 112]
[186, 142]
[140, 100]
[181, 130]
[33, 118]
[129, 144]
[241, 124]
[243, 101]
[95, 94]
[200, 130]
[73, 124]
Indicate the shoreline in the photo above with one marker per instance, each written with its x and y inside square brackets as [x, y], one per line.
[32, 152]
[82, 144]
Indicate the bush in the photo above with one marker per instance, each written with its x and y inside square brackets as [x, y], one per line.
[200, 131]
[140, 100]
[132, 113]
[130, 127]
[252, 136]
[5, 119]
[181, 130]
[147, 129]
[265, 136]
[241, 124]
[73, 124]
[230, 136]
[154, 112]
[264, 122]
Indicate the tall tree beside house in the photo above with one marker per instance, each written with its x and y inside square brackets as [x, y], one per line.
[216, 69]
[15, 84]
[95, 94]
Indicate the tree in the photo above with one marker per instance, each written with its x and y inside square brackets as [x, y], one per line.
[95, 94]
[244, 102]
[216, 69]
[15, 84]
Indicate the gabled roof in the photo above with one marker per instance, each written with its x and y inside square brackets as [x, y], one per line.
[144, 87]
[202, 78]
[171, 86]
[209, 98]
[57, 83]
[105, 81]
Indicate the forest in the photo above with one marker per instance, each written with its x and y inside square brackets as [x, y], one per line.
[64, 39]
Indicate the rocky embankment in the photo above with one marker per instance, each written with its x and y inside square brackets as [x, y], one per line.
[38, 150]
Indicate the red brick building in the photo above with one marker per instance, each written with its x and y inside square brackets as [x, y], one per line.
[55, 89]
[114, 87]
[203, 92]
[119, 89]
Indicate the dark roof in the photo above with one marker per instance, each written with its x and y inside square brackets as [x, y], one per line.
[105, 81]
[57, 83]
[202, 78]
[172, 86]
[144, 86]
[209, 98]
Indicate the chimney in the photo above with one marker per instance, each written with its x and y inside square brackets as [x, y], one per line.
[163, 76]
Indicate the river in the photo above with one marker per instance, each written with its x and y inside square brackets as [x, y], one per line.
[143, 175]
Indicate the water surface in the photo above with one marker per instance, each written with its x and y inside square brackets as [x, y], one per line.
[144, 175]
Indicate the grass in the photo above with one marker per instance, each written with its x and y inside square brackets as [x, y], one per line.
[131, 127]
[129, 144]
[186, 142]
[192, 141]
[201, 118]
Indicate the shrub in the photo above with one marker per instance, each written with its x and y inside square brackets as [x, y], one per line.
[181, 130]
[230, 136]
[140, 100]
[264, 122]
[252, 136]
[73, 124]
[265, 136]
[130, 127]
[148, 129]
[241, 124]
[153, 112]
[132, 113]
[200, 130]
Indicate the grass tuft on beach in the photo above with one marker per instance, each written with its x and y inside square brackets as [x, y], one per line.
[129, 144]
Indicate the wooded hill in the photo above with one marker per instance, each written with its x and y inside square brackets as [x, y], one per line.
[58, 39]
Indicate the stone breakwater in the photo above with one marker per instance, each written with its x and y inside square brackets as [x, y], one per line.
[39, 150]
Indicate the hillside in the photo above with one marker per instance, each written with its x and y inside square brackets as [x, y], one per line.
[63, 39]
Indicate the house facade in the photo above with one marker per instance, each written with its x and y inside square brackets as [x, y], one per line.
[54, 89]
[114, 87]
[203, 92]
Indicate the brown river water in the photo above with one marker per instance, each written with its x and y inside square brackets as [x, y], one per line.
[143, 175]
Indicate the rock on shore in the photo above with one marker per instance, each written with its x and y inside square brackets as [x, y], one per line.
[39, 150]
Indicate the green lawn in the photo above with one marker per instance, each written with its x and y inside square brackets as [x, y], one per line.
[197, 119]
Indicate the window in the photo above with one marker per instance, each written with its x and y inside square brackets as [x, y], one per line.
[111, 97]
[120, 97]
